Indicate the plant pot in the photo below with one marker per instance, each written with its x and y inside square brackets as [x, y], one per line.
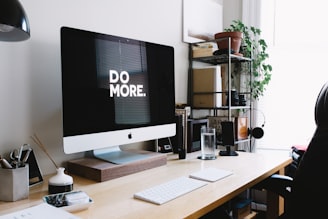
[223, 40]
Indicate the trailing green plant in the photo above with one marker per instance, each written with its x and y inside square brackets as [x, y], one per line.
[255, 47]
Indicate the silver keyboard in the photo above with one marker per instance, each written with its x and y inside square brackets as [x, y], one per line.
[170, 190]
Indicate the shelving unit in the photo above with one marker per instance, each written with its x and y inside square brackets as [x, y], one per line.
[215, 60]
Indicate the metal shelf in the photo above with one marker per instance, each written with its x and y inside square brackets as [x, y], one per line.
[221, 59]
[223, 108]
[224, 58]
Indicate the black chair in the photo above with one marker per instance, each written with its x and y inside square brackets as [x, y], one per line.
[306, 193]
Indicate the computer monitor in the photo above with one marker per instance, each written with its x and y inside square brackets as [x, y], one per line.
[115, 91]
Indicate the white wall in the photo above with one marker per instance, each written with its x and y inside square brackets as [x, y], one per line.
[30, 71]
[232, 10]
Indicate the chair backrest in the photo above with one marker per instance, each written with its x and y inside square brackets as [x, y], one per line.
[321, 108]
[310, 181]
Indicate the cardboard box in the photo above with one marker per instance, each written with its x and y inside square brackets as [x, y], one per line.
[202, 52]
[207, 81]
[204, 49]
[252, 215]
[242, 209]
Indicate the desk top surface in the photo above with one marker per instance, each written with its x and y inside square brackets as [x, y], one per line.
[114, 198]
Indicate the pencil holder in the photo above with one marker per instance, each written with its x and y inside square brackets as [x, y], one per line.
[14, 184]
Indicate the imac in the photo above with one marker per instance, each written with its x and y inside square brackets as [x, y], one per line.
[115, 91]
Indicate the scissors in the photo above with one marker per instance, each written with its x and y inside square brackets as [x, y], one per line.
[16, 154]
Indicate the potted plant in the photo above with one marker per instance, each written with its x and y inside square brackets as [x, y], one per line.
[236, 39]
[255, 47]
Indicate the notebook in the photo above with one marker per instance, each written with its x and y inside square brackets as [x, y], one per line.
[40, 211]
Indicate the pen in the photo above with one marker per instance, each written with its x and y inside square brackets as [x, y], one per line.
[20, 153]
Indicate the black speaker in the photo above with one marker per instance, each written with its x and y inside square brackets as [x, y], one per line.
[228, 138]
[256, 132]
[228, 133]
[176, 142]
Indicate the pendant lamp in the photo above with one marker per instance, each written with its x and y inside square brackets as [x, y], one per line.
[14, 25]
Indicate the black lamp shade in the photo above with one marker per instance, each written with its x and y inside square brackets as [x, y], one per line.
[14, 25]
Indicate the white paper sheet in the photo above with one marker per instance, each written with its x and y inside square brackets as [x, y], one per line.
[40, 211]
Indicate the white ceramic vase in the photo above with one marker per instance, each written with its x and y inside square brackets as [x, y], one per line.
[61, 182]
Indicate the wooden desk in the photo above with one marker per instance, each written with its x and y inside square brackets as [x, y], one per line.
[114, 198]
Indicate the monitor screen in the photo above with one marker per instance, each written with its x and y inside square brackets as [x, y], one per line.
[115, 90]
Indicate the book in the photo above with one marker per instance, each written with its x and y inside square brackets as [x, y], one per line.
[224, 82]
[241, 124]
[202, 52]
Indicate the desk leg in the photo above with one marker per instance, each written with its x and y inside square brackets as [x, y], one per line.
[275, 203]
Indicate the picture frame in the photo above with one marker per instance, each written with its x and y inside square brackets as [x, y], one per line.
[201, 19]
